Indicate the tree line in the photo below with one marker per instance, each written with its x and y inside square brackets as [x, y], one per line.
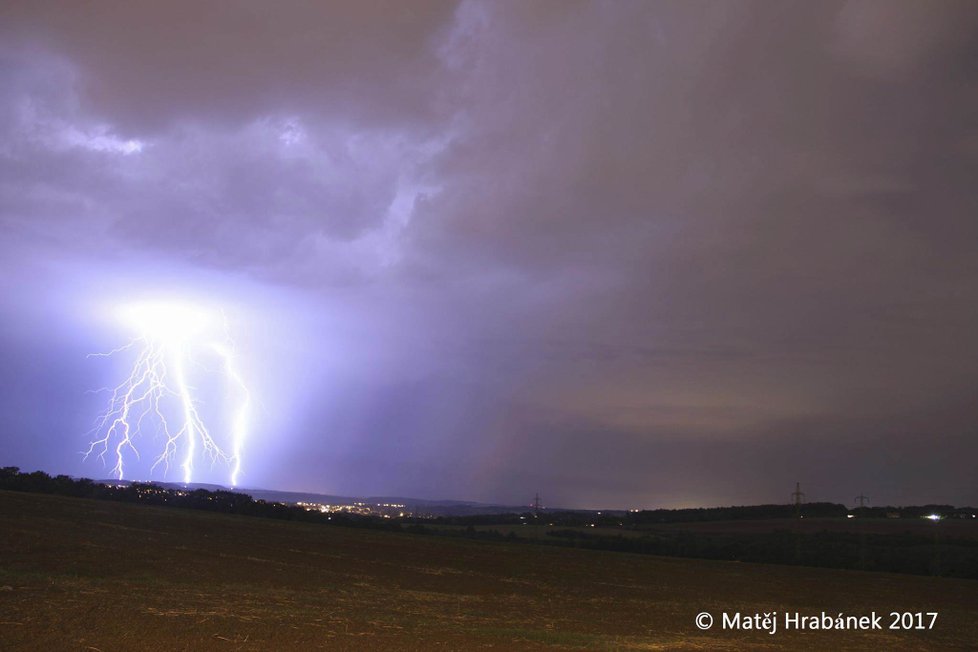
[226, 502]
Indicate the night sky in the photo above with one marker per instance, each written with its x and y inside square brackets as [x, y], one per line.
[626, 254]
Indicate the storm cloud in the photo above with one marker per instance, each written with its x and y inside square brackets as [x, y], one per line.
[623, 254]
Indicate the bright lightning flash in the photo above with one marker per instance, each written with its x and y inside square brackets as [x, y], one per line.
[170, 339]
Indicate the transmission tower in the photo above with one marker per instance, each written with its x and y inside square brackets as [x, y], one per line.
[862, 500]
[536, 505]
[796, 496]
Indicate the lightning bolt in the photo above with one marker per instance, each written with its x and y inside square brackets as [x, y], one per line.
[239, 425]
[158, 391]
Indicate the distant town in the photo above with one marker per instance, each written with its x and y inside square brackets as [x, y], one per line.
[383, 510]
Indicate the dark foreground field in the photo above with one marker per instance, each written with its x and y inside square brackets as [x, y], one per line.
[87, 575]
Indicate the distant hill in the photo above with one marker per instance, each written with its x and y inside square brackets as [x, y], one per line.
[434, 507]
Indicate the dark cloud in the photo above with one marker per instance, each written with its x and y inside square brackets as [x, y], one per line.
[561, 246]
[148, 66]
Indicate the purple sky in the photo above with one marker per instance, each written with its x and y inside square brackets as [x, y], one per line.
[625, 254]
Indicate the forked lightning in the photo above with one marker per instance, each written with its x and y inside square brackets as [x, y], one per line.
[172, 341]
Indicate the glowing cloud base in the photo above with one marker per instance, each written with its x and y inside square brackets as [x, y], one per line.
[172, 340]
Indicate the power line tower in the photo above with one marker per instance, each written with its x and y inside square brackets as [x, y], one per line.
[536, 505]
[862, 500]
[797, 495]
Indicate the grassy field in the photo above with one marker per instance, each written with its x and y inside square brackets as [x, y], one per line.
[91, 575]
